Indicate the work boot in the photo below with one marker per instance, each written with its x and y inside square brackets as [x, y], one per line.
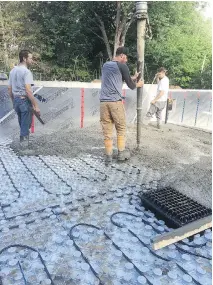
[158, 124]
[146, 120]
[21, 139]
[108, 160]
[108, 151]
[24, 142]
[123, 155]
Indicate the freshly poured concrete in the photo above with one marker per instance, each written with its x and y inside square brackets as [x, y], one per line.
[61, 180]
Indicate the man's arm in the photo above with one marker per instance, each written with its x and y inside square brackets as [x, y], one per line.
[10, 93]
[135, 76]
[10, 89]
[127, 78]
[158, 97]
[32, 98]
[28, 82]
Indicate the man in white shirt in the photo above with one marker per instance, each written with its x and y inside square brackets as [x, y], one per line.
[159, 102]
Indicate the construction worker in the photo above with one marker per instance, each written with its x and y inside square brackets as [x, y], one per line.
[20, 91]
[112, 110]
[159, 102]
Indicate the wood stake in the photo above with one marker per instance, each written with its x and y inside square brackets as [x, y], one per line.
[182, 233]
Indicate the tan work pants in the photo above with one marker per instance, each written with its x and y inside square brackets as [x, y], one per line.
[113, 113]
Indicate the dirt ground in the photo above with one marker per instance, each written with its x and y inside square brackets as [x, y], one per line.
[182, 155]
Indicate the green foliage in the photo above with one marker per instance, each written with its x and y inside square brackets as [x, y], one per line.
[19, 31]
[182, 38]
[67, 42]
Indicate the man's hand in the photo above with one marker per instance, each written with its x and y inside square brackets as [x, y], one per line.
[136, 75]
[140, 83]
[37, 110]
[153, 101]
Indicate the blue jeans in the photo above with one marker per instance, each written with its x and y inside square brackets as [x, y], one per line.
[23, 108]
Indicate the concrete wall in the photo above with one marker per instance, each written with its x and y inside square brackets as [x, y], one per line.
[5, 102]
[78, 103]
[192, 108]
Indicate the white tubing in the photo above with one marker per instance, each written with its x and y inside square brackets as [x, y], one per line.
[12, 111]
[38, 90]
[6, 116]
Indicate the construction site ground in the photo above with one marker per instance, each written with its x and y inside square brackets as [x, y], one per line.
[67, 219]
[180, 154]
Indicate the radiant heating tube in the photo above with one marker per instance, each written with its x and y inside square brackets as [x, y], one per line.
[118, 225]
[39, 255]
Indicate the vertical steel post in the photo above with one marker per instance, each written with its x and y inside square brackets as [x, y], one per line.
[141, 15]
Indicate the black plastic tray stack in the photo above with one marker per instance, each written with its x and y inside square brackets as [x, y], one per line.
[173, 207]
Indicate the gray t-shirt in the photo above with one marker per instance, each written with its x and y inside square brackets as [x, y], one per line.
[113, 75]
[20, 76]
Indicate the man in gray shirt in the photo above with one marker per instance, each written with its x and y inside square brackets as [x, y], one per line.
[112, 110]
[20, 91]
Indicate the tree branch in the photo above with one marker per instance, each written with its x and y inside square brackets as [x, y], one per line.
[128, 24]
[106, 41]
[123, 23]
[103, 31]
[98, 18]
[117, 27]
[94, 21]
[118, 16]
[95, 33]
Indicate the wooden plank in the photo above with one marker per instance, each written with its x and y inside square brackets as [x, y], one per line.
[182, 233]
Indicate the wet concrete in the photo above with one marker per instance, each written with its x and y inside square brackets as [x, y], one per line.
[182, 155]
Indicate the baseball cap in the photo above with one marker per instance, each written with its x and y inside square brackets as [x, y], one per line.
[122, 50]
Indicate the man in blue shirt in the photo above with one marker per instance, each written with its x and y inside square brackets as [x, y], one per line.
[112, 112]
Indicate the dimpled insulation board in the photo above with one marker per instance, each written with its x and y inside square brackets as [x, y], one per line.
[69, 221]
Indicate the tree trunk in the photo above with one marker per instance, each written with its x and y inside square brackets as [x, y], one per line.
[122, 27]
[104, 34]
[106, 41]
[125, 29]
[117, 27]
[118, 35]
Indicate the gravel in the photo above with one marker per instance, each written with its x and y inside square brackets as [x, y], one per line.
[182, 155]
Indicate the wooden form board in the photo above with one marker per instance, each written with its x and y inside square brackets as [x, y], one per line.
[182, 233]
